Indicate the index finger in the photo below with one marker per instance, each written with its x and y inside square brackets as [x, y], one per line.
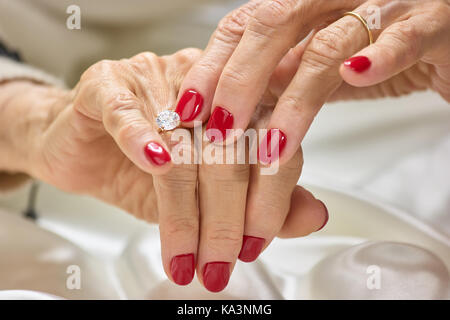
[197, 91]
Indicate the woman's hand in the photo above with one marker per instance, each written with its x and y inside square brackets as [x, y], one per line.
[93, 140]
[251, 49]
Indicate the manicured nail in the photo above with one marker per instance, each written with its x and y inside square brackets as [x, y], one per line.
[271, 146]
[358, 64]
[156, 154]
[182, 268]
[326, 217]
[216, 275]
[218, 123]
[190, 105]
[251, 248]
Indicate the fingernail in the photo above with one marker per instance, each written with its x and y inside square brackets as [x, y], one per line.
[251, 248]
[182, 268]
[326, 217]
[190, 105]
[216, 275]
[358, 64]
[156, 154]
[271, 146]
[219, 122]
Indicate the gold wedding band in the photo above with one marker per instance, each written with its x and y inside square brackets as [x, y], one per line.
[363, 21]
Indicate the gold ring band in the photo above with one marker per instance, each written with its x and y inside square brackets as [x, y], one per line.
[363, 21]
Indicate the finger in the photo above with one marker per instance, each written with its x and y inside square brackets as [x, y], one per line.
[121, 111]
[315, 81]
[178, 220]
[306, 215]
[276, 27]
[269, 198]
[197, 90]
[398, 47]
[222, 193]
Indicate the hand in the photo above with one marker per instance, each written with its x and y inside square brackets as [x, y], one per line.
[251, 50]
[93, 139]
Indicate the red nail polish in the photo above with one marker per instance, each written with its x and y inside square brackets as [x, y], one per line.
[251, 248]
[326, 218]
[216, 275]
[220, 120]
[358, 64]
[190, 105]
[271, 146]
[182, 268]
[156, 154]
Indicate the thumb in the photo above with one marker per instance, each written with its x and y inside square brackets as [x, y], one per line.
[122, 114]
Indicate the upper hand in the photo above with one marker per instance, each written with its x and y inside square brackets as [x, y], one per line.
[256, 50]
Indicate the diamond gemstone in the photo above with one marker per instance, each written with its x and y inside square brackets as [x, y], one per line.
[168, 120]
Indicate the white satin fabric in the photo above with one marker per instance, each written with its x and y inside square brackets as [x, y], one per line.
[412, 259]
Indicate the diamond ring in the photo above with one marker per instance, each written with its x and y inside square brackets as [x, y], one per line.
[168, 120]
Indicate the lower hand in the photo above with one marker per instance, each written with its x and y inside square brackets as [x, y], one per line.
[93, 140]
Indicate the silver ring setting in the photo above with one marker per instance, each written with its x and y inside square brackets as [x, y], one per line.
[168, 120]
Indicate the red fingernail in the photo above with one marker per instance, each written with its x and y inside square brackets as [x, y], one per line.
[182, 268]
[271, 146]
[251, 248]
[216, 275]
[218, 123]
[190, 105]
[156, 154]
[358, 64]
[326, 218]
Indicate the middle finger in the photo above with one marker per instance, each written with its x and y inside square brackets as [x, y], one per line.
[222, 194]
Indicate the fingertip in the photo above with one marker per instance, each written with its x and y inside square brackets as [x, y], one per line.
[326, 216]
[158, 157]
[358, 71]
[306, 215]
[189, 106]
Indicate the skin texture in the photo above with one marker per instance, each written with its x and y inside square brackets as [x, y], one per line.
[91, 140]
[255, 53]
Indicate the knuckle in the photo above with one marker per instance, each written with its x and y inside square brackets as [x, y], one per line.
[180, 178]
[405, 36]
[188, 55]
[175, 225]
[127, 131]
[145, 56]
[293, 102]
[103, 65]
[231, 28]
[98, 70]
[407, 31]
[232, 76]
[318, 59]
[222, 234]
[275, 13]
[330, 41]
[116, 107]
[208, 65]
[226, 174]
